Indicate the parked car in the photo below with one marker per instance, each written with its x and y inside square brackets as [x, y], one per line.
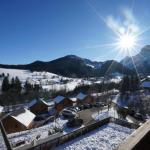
[77, 108]
[81, 107]
[87, 106]
[71, 109]
[74, 122]
[132, 112]
[95, 105]
[38, 118]
[139, 116]
[98, 104]
[68, 113]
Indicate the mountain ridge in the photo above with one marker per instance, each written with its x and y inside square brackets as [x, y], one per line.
[74, 66]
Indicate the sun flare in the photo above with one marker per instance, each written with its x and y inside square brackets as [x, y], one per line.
[126, 42]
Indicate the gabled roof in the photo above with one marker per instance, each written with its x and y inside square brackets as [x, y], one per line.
[35, 101]
[50, 102]
[81, 96]
[23, 116]
[58, 99]
[44, 102]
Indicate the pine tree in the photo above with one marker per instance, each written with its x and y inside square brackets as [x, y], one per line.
[5, 84]
[17, 86]
[36, 87]
[28, 87]
[12, 85]
[3, 74]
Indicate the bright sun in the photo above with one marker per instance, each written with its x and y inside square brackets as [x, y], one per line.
[126, 42]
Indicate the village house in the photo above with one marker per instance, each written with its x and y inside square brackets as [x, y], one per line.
[61, 103]
[146, 85]
[84, 99]
[38, 106]
[20, 120]
[74, 100]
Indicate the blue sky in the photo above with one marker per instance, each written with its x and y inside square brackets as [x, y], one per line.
[47, 29]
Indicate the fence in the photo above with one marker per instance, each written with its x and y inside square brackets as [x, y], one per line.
[49, 145]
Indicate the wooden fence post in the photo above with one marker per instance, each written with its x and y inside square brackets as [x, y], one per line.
[5, 136]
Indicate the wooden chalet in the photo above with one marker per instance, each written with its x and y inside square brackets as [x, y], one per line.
[20, 120]
[38, 106]
[84, 99]
[61, 103]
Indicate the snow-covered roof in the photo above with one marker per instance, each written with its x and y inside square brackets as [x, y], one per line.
[74, 99]
[50, 102]
[58, 99]
[1, 109]
[81, 96]
[33, 102]
[23, 116]
[43, 102]
[145, 84]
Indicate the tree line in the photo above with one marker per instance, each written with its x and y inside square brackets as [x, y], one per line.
[129, 83]
[15, 85]
[13, 91]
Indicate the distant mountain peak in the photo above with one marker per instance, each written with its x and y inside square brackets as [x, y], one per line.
[73, 56]
[145, 50]
[141, 61]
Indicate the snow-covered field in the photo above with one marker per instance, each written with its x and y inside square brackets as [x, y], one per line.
[48, 81]
[51, 81]
[107, 137]
[22, 74]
